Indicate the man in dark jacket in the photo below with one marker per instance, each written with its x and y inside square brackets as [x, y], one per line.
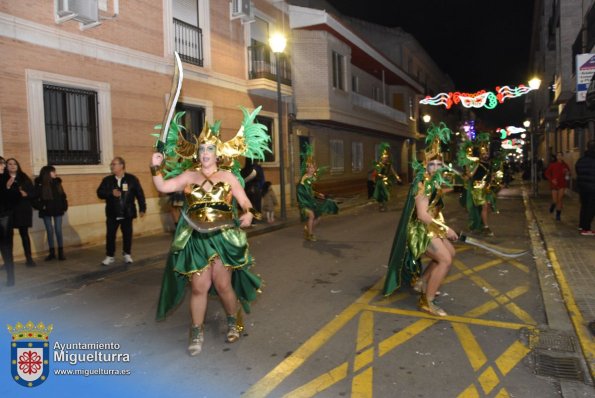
[585, 177]
[7, 198]
[119, 191]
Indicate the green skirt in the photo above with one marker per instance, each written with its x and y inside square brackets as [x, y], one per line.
[195, 254]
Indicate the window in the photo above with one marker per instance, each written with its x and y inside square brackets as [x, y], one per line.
[193, 120]
[376, 94]
[70, 123]
[357, 156]
[188, 27]
[269, 157]
[71, 128]
[337, 155]
[354, 84]
[338, 71]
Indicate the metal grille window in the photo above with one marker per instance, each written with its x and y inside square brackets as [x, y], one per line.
[337, 156]
[71, 126]
[269, 157]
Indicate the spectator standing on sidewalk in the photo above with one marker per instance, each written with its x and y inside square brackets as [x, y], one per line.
[585, 176]
[558, 174]
[22, 216]
[119, 190]
[7, 199]
[269, 202]
[52, 204]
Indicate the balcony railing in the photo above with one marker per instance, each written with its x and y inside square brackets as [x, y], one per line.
[262, 63]
[188, 42]
[377, 107]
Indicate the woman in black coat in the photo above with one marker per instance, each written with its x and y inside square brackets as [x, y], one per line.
[52, 204]
[22, 216]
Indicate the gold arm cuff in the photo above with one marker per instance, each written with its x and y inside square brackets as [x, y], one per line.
[255, 214]
[155, 170]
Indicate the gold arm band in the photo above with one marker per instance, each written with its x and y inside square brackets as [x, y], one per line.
[155, 170]
[255, 214]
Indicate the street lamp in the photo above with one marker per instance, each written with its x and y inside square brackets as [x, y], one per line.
[278, 42]
[535, 83]
[426, 118]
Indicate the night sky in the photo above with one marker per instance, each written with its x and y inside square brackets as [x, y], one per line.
[481, 44]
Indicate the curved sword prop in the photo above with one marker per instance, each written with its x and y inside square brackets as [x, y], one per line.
[497, 250]
[174, 94]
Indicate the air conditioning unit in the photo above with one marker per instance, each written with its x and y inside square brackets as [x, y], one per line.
[241, 9]
[84, 11]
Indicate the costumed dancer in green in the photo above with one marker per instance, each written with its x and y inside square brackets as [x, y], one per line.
[209, 250]
[422, 229]
[483, 178]
[384, 176]
[312, 204]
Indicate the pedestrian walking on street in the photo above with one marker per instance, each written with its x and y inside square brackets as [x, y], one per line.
[22, 216]
[8, 198]
[422, 230]
[120, 190]
[585, 177]
[209, 250]
[52, 204]
[558, 174]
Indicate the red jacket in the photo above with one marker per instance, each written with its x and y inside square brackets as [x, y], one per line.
[556, 173]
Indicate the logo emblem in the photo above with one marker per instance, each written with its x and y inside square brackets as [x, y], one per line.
[30, 353]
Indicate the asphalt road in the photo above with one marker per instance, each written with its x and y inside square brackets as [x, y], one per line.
[321, 326]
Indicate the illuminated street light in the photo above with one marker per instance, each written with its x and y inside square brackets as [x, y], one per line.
[426, 118]
[535, 83]
[527, 123]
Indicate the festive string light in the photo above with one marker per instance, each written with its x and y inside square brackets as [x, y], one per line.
[480, 99]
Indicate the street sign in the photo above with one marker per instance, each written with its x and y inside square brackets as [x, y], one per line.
[585, 68]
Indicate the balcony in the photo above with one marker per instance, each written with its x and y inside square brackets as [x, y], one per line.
[378, 107]
[188, 42]
[262, 64]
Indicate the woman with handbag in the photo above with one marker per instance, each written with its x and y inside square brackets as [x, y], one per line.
[52, 204]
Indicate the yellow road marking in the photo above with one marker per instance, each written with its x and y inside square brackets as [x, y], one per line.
[320, 383]
[509, 359]
[451, 318]
[502, 394]
[470, 392]
[520, 313]
[488, 380]
[472, 348]
[272, 379]
[363, 384]
[363, 359]
[585, 340]
[519, 265]
[365, 330]
[403, 335]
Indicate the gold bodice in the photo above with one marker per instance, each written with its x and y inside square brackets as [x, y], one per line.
[209, 210]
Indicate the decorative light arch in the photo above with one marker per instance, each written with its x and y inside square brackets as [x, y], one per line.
[479, 99]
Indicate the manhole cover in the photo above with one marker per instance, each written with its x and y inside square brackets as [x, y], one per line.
[561, 368]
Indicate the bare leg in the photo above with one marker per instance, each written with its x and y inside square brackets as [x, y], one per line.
[559, 198]
[441, 256]
[200, 285]
[484, 214]
[222, 282]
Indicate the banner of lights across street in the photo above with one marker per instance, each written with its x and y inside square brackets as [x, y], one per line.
[479, 99]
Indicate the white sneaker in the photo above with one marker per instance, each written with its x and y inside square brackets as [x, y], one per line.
[128, 259]
[108, 260]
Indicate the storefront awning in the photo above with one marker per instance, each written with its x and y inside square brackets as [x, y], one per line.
[575, 114]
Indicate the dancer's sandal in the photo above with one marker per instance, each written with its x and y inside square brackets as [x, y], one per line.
[233, 330]
[419, 286]
[195, 340]
[430, 307]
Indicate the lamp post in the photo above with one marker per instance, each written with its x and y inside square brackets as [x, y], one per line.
[534, 84]
[277, 43]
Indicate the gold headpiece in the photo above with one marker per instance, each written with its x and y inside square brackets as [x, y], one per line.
[436, 135]
[433, 151]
